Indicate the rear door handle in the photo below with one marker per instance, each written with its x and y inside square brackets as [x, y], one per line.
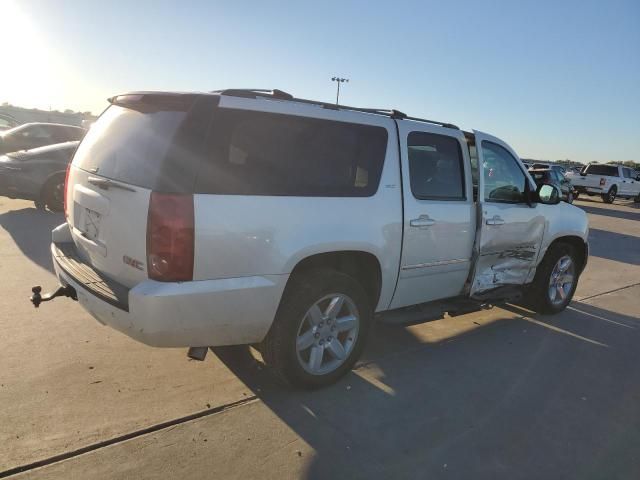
[496, 220]
[422, 221]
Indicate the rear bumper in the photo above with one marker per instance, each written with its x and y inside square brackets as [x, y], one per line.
[228, 311]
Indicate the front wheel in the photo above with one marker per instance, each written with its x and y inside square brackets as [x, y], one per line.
[320, 329]
[555, 281]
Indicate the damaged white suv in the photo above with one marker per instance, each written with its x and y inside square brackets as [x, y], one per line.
[252, 217]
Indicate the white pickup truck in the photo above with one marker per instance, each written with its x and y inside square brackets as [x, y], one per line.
[252, 217]
[608, 181]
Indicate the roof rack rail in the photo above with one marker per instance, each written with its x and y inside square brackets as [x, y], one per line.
[281, 95]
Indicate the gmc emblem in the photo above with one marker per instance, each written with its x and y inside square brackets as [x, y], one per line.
[132, 262]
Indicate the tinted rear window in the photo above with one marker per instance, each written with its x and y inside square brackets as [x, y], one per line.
[258, 153]
[152, 148]
[606, 170]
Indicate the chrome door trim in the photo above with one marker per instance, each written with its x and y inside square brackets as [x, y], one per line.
[435, 264]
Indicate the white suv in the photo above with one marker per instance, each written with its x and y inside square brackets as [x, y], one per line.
[252, 217]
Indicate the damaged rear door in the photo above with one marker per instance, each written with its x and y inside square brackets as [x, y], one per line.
[510, 229]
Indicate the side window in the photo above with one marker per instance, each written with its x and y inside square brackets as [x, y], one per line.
[435, 166]
[504, 181]
[627, 173]
[39, 132]
[260, 153]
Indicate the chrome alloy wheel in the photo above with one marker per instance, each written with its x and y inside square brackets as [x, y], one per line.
[561, 281]
[327, 334]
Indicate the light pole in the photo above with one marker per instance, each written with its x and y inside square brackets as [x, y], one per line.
[338, 80]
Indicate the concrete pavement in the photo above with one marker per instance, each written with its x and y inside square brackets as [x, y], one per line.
[497, 394]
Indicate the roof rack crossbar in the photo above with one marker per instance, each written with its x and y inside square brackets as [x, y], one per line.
[281, 95]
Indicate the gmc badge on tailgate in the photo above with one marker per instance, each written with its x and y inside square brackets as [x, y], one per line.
[132, 262]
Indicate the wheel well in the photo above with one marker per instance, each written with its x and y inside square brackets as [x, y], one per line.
[578, 244]
[362, 266]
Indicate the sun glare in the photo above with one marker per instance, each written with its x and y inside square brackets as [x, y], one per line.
[38, 76]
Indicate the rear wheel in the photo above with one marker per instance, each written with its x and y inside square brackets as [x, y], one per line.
[555, 281]
[320, 329]
[53, 193]
[610, 196]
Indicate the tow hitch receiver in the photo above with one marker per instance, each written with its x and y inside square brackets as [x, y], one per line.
[62, 291]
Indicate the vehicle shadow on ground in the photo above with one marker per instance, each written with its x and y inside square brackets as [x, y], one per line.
[531, 397]
[626, 250]
[30, 229]
[627, 215]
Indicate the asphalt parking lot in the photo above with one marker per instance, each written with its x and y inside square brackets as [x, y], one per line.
[496, 394]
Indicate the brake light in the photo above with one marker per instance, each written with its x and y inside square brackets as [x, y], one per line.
[170, 237]
[602, 182]
[66, 194]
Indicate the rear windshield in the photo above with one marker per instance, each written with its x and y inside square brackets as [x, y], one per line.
[258, 153]
[129, 145]
[606, 170]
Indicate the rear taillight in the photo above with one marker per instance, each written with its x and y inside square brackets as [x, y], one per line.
[170, 237]
[66, 188]
[602, 182]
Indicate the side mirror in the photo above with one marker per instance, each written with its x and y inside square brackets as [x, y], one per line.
[548, 194]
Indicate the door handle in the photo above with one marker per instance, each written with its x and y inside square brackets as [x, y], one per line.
[422, 221]
[496, 220]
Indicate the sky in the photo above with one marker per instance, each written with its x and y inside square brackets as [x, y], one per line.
[554, 79]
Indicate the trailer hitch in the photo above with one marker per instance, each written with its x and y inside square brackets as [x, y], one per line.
[61, 291]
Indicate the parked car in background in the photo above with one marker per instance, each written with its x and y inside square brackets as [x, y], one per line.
[552, 176]
[245, 217]
[37, 174]
[557, 168]
[7, 122]
[608, 181]
[33, 135]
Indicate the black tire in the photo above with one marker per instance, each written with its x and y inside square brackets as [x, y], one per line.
[610, 196]
[52, 194]
[538, 294]
[279, 350]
